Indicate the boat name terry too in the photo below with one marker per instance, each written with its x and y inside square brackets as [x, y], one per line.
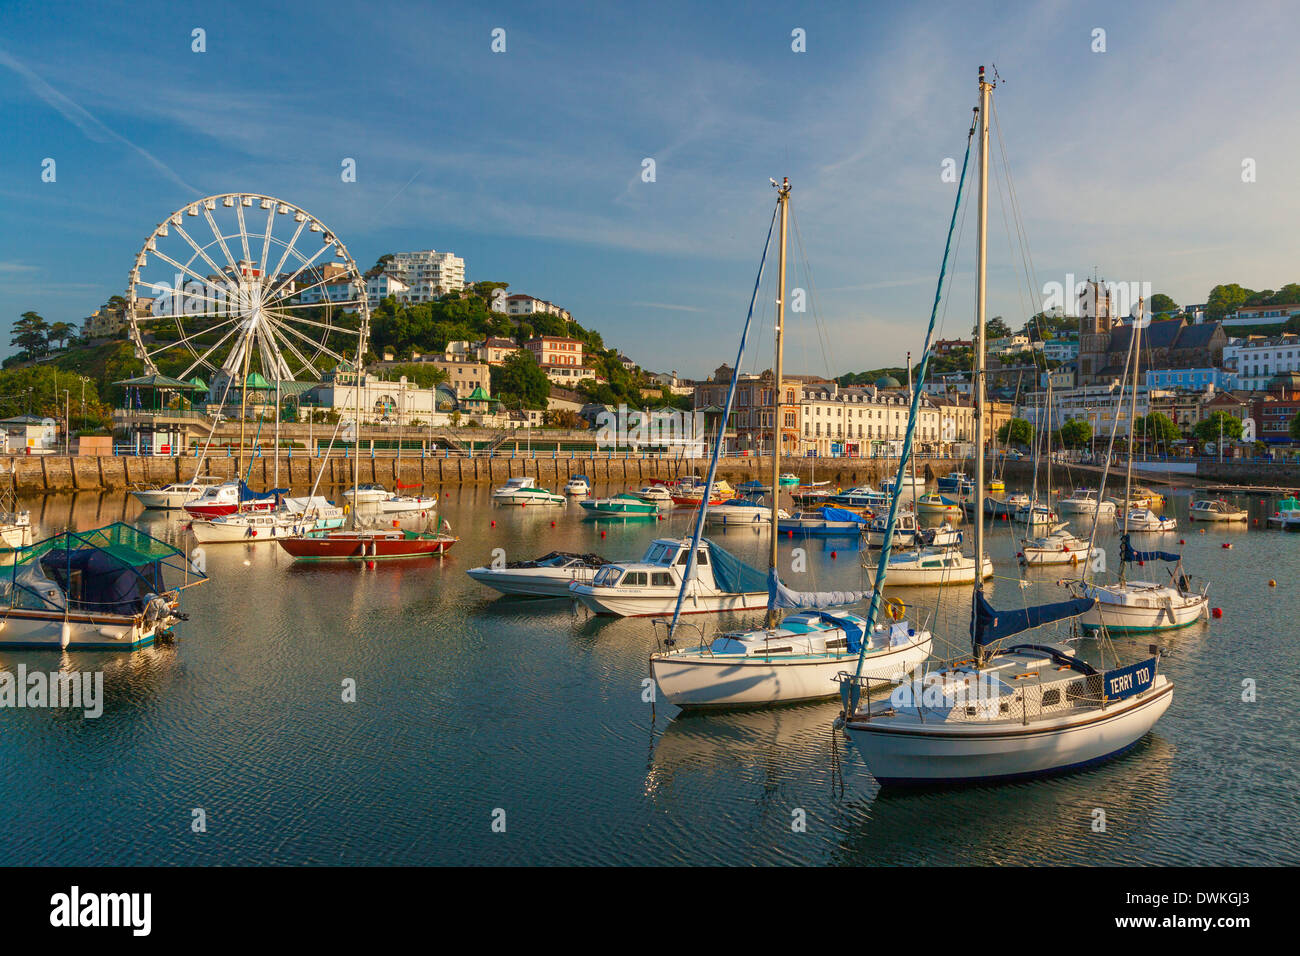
[63, 689]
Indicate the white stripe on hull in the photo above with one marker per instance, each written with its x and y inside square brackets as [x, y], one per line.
[630, 605]
[948, 753]
[528, 585]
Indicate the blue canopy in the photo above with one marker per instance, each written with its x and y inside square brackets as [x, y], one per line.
[1126, 553]
[993, 625]
[831, 513]
[733, 575]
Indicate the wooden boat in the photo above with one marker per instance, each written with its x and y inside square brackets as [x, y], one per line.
[366, 545]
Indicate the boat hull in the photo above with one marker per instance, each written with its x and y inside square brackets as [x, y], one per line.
[693, 679]
[946, 754]
[1130, 618]
[221, 510]
[354, 547]
[106, 632]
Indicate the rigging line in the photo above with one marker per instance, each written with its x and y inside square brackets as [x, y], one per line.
[874, 609]
[689, 573]
[812, 293]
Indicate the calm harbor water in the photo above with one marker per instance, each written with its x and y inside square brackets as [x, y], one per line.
[468, 703]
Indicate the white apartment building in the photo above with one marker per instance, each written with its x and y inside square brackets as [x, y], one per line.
[1098, 405]
[382, 286]
[427, 274]
[1061, 350]
[520, 304]
[1256, 360]
[849, 421]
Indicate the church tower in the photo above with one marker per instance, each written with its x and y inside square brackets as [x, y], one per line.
[1095, 322]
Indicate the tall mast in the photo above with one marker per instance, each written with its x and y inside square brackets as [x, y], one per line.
[783, 203]
[980, 268]
[911, 458]
[1132, 429]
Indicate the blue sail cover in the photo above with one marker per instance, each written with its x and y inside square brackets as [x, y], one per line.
[993, 625]
[732, 574]
[1126, 553]
[780, 596]
[831, 513]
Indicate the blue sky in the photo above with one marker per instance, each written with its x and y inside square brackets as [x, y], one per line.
[528, 163]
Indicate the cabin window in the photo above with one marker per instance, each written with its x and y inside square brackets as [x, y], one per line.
[1051, 697]
[702, 559]
[779, 650]
[657, 554]
[661, 579]
[634, 579]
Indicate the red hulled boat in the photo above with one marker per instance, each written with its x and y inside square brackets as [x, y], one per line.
[365, 545]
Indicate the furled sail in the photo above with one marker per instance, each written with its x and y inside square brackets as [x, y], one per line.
[993, 625]
[1127, 553]
[780, 597]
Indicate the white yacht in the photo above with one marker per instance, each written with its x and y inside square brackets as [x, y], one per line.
[523, 491]
[656, 494]
[906, 529]
[648, 587]
[547, 576]
[174, 495]
[1144, 519]
[928, 566]
[578, 485]
[1058, 546]
[1085, 501]
[1216, 509]
[297, 516]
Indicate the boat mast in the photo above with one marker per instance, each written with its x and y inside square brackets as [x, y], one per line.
[911, 459]
[980, 268]
[1132, 425]
[783, 203]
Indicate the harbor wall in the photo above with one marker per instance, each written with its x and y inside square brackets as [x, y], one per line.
[57, 474]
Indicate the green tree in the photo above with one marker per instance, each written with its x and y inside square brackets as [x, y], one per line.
[995, 328]
[423, 374]
[1018, 431]
[1161, 303]
[1224, 299]
[1076, 432]
[1156, 427]
[31, 335]
[60, 332]
[520, 380]
[1295, 427]
[1219, 425]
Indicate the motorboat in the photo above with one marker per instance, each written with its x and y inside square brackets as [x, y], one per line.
[656, 494]
[906, 529]
[742, 512]
[1287, 515]
[942, 535]
[1085, 501]
[942, 565]
[229, 497]
[548, 576]
[1058, 546]
[937, 504]
[522, 491]
[1216, 509]
[910, 485]
[788, 479]
[1146, 520]
[376, 499]
[721, 582]
[176, 494]
[826, 521]
[812, 496]
[109, 589]
[1036, 516]
[295, 517]
[626, 505]
[862, 496]
[578, 485]
[957, 481]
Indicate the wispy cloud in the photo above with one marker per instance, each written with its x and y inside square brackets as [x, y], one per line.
[89, 125]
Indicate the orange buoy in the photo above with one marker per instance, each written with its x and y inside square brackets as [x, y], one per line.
[1272, 583]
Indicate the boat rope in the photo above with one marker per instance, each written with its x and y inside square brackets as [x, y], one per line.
[873, 611]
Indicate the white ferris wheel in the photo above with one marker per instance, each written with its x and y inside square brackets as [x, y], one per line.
[239, 285]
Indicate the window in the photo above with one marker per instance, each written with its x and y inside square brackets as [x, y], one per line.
[661, 579]
[634, 579]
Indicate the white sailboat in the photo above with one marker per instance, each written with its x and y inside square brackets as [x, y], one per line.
[523, 491]
[1058, 546]
[1144, 519]
[792, 659]
[1005, 713]
[1086, 501]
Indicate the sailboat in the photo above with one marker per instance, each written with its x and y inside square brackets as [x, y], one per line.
[1140, 606]
[366, 544]
[796, 658]
[1004, 712]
